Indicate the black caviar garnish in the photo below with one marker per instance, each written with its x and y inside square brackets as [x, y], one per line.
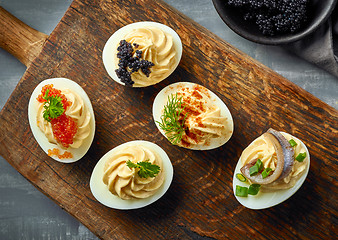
[273, 16]
[129, 63]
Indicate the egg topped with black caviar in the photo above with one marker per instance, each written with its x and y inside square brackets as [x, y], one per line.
[142, 54]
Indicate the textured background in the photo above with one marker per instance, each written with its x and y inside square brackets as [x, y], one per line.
[25, 213]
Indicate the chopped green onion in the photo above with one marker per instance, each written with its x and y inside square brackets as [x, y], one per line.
[292, 143]
[301, 157]
[266, 172]
[256, 168]
[240, 177]
[253, 170]
[254, 189]
[241, 191]
[259, 164]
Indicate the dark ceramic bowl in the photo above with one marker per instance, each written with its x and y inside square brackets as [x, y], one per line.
[318, 11]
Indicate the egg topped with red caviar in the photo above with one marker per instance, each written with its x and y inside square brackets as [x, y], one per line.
[62, 119]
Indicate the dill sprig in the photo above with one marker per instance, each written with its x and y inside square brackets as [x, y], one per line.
[171, 123]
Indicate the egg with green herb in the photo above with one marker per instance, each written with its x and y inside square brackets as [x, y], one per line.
[270, 170]
[191, 116]
[131, 175]
[61, 118]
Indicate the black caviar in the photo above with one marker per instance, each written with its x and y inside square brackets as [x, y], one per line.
[129, 63]
[273, 16]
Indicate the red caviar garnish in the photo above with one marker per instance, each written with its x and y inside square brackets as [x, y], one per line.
[53, 92]
[64, 129]
[56, 152]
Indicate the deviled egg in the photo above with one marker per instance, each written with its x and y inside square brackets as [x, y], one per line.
[131, 175]
[270, 170]
[62, 119]
[142, 54]
[191, 116]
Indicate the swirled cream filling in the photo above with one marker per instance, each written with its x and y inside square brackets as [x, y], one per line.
[263, 149]
[123, 181]
[78, 111]
[157, 47]
[204, 120]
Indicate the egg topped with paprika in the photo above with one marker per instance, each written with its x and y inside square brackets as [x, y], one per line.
[191, 116]
[61, 118]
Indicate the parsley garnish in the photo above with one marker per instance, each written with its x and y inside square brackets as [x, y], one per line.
[146, 169]
[53, 107]
[171, 123]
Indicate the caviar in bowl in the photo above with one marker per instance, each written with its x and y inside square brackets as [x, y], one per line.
[274, 22]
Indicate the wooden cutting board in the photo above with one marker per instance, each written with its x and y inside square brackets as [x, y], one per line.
[200, 201]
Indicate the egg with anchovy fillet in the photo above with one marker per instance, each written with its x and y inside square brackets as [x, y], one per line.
[270, 170]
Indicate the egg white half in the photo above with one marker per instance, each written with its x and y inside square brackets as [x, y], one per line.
[60, 83]
[103, 195]
[109, 49]
[162, 97]
[268, 199]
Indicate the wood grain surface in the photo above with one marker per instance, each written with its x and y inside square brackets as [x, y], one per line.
[22, 41]
[200, 201]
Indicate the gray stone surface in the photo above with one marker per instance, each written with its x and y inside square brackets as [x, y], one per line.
[25, 213]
